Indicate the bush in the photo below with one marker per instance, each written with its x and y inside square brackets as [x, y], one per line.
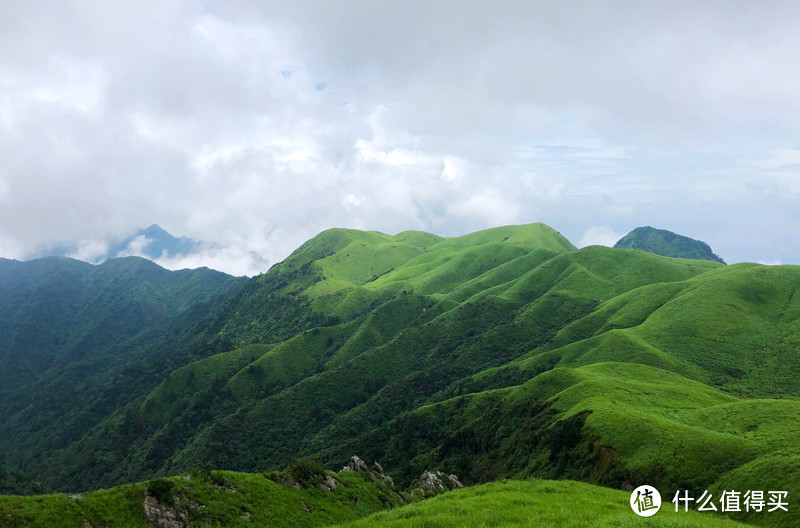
[202, 472]
[162, 489]
[306, 472]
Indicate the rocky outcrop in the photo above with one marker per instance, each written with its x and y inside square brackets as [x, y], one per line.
[329, 483]
[356, 464]
[431, 481]
[438, 481]
[454, 481]
[160, 515]
[175, 515]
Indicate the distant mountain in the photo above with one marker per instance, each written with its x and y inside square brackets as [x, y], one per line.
[154, 243]
[667, 244]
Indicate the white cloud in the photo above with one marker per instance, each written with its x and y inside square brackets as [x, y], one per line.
[136, 247]
[10, 249]
[488, 207]
[234, 261]
[92, 251]
[257, 125]
[599, 236]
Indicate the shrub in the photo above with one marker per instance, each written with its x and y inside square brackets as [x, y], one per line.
[306, 472]
[162, 489]
[202, 472]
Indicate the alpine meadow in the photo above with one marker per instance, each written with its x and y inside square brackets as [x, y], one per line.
[546, 379]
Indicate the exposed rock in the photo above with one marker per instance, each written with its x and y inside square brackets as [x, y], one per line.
[454, 480]
[194, 505]
[355, 464]
[186, 477]
[305, 507]
[75, 496]
[159, 515]
[287, 481]
[246, 516]
[377, 468]
[431, 481]
[329, 483]
[438, 481]
[627, 486]
[86, 525]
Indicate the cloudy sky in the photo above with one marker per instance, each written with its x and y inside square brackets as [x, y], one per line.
[258, 124]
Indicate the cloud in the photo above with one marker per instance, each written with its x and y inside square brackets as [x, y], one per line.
[232, 260]
[257, 125]
[599, 236]
[136, 248]
[92, 251]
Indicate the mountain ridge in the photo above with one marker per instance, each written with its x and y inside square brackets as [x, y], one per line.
[503, 353]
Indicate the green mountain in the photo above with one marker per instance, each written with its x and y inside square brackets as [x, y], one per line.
[78, 341]
[667, 243]
[505, 353]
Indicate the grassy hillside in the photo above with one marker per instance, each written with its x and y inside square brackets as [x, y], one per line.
[218, 498]
[535, 503]
[503, 353]
[239, 499]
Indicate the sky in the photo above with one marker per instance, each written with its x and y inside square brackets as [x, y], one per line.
[256, 125]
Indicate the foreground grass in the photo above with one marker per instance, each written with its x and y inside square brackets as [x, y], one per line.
[228, 499]
[248, 500]
[539, 503]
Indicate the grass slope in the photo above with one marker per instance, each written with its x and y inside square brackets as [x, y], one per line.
[225, 499]
[239, 499]
[535, 503]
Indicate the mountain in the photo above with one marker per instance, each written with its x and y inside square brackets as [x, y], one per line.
[506, 353]
[154, 243]
[159, 246]
[77, 341]
[667, 243]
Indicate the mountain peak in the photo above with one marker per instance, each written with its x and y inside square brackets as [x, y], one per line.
[155, 230]
[153, 243]
[667, 243]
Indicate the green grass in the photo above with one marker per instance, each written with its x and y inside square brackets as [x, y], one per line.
[226, 499]
[535, 503]
[239, 499]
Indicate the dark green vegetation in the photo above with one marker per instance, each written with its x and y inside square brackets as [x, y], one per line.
[667, 243]
[504, 353]
[79, 341]
[206, 499]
